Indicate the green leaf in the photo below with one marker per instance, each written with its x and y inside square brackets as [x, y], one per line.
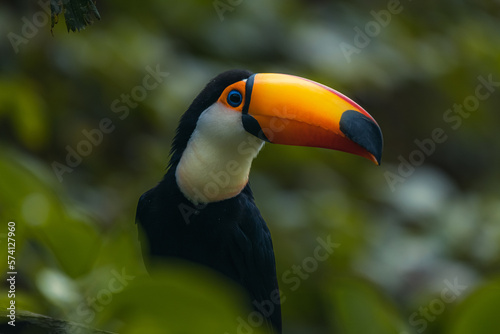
[21, 102]
[359, 308]
[180, 298]
[478, 313]
[27, 197]
[74, 244]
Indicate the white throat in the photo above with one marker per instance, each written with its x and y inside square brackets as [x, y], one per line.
[217, 160]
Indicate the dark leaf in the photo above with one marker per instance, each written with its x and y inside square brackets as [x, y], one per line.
[77, 13]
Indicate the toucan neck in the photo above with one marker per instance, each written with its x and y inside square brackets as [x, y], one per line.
[214, 168]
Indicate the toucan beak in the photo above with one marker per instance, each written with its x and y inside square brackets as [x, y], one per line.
[290, 110]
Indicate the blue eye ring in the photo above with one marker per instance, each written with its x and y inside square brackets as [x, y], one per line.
[234, 98]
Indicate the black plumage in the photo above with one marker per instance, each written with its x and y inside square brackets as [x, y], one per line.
[228, 236]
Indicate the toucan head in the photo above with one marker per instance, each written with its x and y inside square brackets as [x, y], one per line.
[289, 110]
[275, 108]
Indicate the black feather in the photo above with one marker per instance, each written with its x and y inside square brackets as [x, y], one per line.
[208, 96]
[228, 236]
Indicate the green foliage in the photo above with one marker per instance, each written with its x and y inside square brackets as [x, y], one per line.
[182, 299]
[359, 308]
[477, 313]
[47, 222]
[24, 108]
[399, 243]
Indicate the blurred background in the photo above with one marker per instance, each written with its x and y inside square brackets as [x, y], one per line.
[417, 239]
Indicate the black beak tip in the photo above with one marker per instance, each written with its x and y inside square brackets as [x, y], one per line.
[363, 131]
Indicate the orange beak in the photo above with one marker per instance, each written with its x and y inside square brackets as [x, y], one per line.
[290, 110]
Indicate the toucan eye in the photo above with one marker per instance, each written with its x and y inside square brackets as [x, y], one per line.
[234, 98]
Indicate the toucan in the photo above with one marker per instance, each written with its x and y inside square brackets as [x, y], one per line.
[203, 210]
